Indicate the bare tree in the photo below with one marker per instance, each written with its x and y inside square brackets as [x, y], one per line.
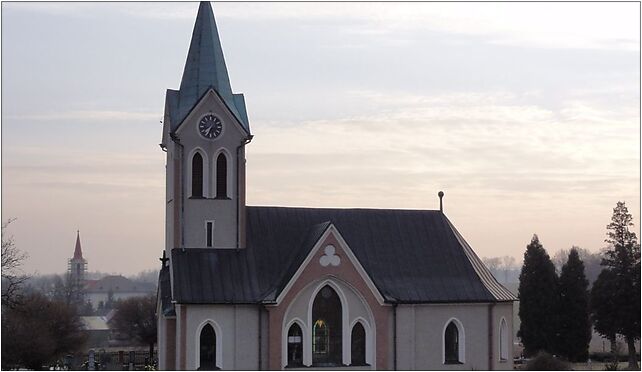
[12, 275]
[591, 261]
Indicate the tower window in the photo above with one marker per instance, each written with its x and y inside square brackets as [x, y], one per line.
[197, 176]
[221, 176]
[209, 233]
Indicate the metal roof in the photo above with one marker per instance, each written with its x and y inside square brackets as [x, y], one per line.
[204, 69]
[165, 292]
[412, 256]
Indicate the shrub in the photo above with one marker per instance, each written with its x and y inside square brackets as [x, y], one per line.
[546, 362]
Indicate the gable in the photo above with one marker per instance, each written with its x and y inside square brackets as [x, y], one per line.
[208, 100]
[331, 256]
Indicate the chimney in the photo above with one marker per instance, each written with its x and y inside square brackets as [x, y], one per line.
[441, 201]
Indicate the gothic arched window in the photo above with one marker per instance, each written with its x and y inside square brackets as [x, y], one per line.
[503, 340]
[197, 176]
[326, 328]
[295, 346]
[358, 345]
[207, 349]
[451, 344]
[221, 176]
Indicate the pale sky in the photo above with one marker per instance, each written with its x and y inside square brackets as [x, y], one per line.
[526, 115]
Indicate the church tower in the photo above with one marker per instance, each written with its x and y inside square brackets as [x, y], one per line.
[205, 130]
[76, 269]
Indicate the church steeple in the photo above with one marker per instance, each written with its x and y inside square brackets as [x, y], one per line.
[205, 68]
[78, 249]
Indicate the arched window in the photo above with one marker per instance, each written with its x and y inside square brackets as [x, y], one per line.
[326, 329]
[207, 349]
[197, 176]
[503, 340]
[451, 344]
[358, 345]
[221, 176]
[295, 346]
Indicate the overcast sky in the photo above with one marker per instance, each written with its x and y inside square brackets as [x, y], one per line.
[525, 114]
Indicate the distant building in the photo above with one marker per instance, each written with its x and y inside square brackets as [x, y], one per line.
[114, 287]
[77, 271]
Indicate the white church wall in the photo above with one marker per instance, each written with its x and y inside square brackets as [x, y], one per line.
[420, 332]
[236, 331]
[503, 311]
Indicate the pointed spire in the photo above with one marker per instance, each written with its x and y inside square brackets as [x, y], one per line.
[78, 250]
[205, 65]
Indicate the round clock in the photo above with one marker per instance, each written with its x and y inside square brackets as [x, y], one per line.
[210, 126]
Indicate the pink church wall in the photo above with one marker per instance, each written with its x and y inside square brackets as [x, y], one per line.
[347, 272]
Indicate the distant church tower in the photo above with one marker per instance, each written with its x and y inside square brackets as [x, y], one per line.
[77, 268]
[205, 130]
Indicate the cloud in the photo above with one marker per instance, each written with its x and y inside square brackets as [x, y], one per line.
[476, 143]
[89, 115]
[611, 26]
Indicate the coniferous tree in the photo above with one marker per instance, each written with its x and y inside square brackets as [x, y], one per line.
[537, 300]
[574, 323]
[603, 308]
[623, 261]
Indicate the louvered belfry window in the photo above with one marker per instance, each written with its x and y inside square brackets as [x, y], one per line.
[197, 176]
[221, 177]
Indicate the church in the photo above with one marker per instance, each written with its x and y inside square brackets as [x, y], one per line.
[257, 287]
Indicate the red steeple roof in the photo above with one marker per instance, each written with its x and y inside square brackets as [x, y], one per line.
[78, 250]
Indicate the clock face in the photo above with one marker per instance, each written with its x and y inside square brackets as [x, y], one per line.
[210, 126]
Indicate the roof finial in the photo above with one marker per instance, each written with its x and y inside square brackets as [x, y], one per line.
[441, 201]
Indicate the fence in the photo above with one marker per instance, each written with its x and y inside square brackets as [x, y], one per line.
[101, 360]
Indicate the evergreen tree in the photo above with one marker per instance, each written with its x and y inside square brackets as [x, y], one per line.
[623, 260]
[537, 300]
[603, 308]
[574, 322]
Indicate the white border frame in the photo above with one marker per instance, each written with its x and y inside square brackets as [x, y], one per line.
[461, 340]
[219, 343]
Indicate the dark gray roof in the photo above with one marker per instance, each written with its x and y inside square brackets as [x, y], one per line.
[204, 69]
[412, 256]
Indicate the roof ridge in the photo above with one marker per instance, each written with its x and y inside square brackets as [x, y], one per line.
[344, 208]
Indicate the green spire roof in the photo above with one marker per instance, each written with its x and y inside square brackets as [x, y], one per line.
[204, 69]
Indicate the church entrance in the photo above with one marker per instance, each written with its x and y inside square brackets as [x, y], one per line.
[326, 329]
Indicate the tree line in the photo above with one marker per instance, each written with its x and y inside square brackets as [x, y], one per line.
[557, 313]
